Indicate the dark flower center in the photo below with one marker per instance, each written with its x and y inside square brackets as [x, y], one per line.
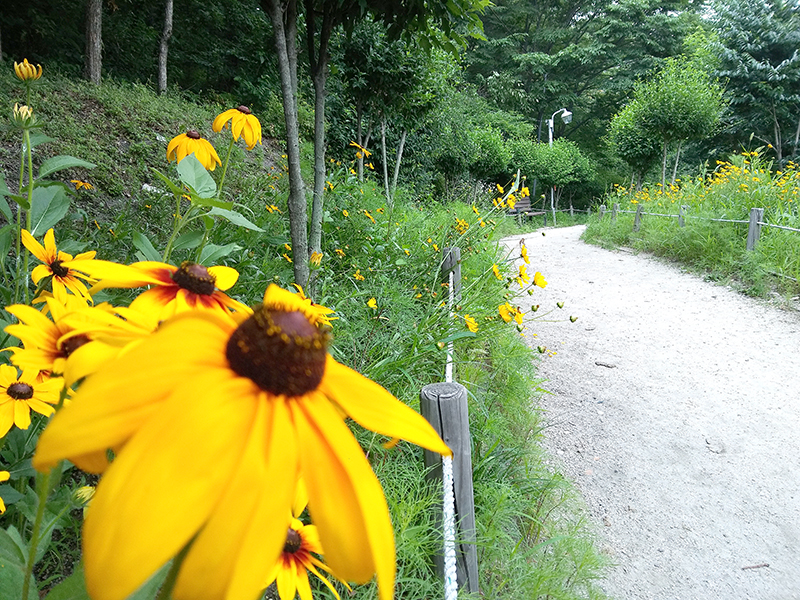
[69, 345]
[293, 541]
[281, 351]
[58, 270]
[22, 391]
[195, 278]
[193, 134]
[244, 109]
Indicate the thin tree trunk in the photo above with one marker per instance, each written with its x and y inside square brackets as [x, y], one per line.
[359, 140]
[397, 162]
[94, 40]
[677, 158]
[284, 23]
[796, 139]
[385, 166]
[664, 166]
[163, 48]
[777, 131]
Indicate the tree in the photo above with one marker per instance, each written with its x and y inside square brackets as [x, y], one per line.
[94, 40]
[630, 141]
[163, 48]
[758, 51]
[681, 102]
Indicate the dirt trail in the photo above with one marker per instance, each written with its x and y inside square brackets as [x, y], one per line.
[675, 407]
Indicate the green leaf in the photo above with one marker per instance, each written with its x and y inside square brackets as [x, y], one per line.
[235, 218]
[50, 204]
[212, 253]
[9, 494]
[40, 138]
[173, 188]
[72, 588]
[144, 246]
[20, 199]
[276, 240]
[457, 336]
[400, 262]
[191, 239]
[194, 174]
[5, 209]
[12, 570]
[61, 162]
[210, 202]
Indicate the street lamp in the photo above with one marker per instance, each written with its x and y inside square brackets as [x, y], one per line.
[566, 116]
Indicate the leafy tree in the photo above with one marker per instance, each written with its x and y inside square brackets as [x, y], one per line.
[630, 141]
[759, 59]
[681, 102]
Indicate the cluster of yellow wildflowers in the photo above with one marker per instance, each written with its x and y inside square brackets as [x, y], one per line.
[224, 423]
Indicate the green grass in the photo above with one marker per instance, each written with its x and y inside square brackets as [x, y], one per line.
[533, 538]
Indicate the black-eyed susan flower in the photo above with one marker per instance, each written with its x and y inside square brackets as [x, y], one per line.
[322, 314]
[66, 272]
[22, 393]
[26, 71]
[243, 123]
[191, 142]
[212, 425]
[85, 185]
[190, 286]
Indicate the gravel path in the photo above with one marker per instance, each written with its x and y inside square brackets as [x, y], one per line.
[675, 407]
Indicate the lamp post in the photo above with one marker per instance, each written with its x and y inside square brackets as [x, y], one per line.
[566, 116]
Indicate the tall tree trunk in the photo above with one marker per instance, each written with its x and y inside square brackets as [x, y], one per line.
[677, 158]
[776, 126]
[397, 162]
[383, 160]
[796, 139]
[318, 57]
[284, 24]
[94, 40]
[664, 166]
[163, 48]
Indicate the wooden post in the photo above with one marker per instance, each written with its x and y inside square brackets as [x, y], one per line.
[444, 405]
[681, 213]
[614, 210]
[602, 212]
[451, 261]
[637, 219]
[754, 230]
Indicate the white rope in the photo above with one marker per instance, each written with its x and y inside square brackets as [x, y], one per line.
[449, 503]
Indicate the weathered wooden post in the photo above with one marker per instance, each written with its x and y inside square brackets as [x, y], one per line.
[602, 212]
[614, 211]
[754, 230]
[451, 261]
[681, 213]
[637, 219]
[444, 405]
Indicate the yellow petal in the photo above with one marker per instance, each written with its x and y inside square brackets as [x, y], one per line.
[346, 501]
[6, 416]
[34, 247]
[224, 276]
[163, 486]
[233, 554]
[88, 359]
[370, 405]
[22, 414]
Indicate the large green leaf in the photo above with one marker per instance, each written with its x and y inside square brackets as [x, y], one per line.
[72, 588]
[194, 174]
[213, 253]
[50, 204]
[174, 188]
[12, 570]
[191, 239]
[144, 246]
[4, 208]
[61, 162]
[40, 138]
[235, 218]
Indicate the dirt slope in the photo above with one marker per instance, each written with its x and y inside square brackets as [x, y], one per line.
[675, 407]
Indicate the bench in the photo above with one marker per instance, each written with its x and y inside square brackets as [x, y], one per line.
[523, 207]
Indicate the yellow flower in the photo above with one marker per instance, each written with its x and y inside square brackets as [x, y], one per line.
[407, 251]
[19, 394]
[286, 256]
[81, 184]
[172, 290]
[500, 188]
[372, 303]
[190, 142]
[524, 192]
[472, 325]
[322, 314]
[524, 254]
[23, 116]
[371, 218]
[508, 312]
[436, 248]
[358, 275]
[512, 201]
[66, 272]
[26, 71]
[523, 274]
[316, 258]
[345, 213]
[538, 279]
[475, 210]
[339, 252]
[4, 475]
[361, 150]
[496, 271]
[243, 123]
[211, 425]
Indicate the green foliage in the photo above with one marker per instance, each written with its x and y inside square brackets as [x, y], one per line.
[629, 139]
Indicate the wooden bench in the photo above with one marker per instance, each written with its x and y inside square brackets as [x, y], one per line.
[523, 207]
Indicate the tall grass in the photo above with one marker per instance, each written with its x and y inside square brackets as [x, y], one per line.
[718, 249]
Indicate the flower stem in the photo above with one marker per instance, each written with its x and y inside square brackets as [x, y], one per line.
[30, 205]
[43, 493]
[176, 227]
[165, 593]
[225, 168]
